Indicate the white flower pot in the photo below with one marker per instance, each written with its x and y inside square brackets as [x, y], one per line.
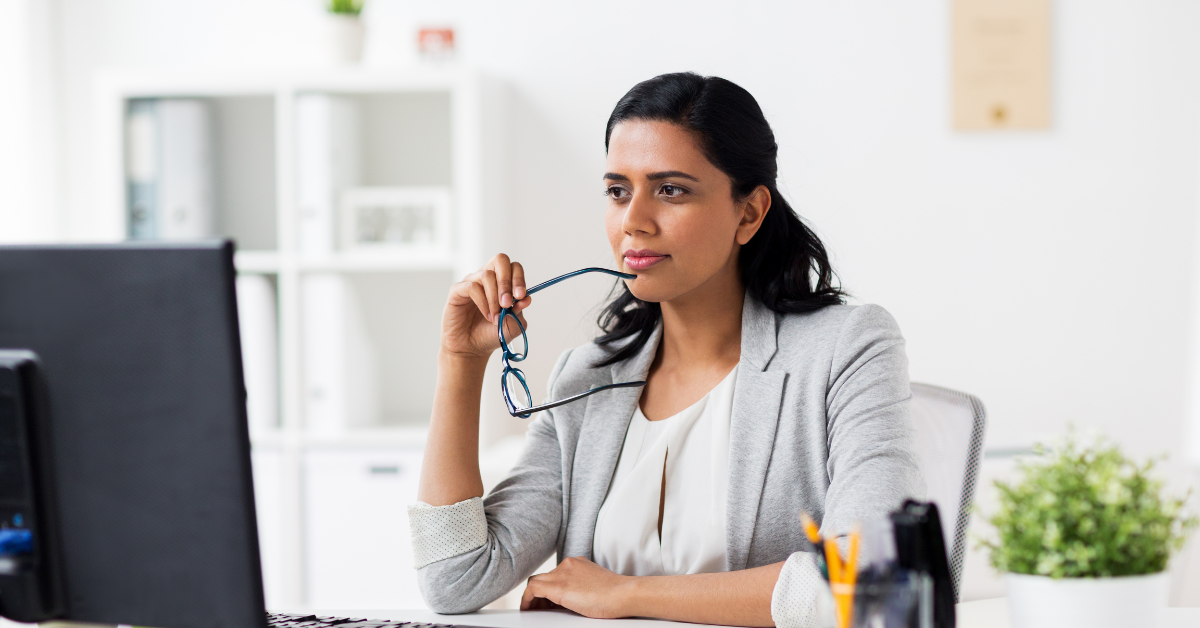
[343, 36]
[1041, 602]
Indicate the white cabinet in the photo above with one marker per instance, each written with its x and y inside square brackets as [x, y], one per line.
[333, 472]
[356, 532]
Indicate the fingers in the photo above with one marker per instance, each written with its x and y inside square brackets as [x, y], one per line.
[502, 282]
[518, 281]
[511, 329]
[502, 266]
[527, 597]
[479, 296]
[532, 598]
[493, 296]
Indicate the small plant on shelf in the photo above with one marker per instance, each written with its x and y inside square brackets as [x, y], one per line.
[1086, 512]
[345, 7]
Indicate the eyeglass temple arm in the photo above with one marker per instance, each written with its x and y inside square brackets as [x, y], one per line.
[606, 271]
[554, 404]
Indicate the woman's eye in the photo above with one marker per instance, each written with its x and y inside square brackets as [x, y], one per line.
[672, 191]
[616, 192]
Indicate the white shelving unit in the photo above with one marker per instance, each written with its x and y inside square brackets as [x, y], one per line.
[323, 496]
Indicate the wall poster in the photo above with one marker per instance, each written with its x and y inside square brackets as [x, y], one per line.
[1001, 64]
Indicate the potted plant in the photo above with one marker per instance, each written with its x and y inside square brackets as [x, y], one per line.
[1084, 539]
[344, 31]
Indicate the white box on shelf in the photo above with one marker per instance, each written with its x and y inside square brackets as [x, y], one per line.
[328, 160]
[268, 503]
[340, 373]
[389, 219]
[358, 547]
[258, 327]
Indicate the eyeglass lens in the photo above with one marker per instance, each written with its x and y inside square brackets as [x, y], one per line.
[517, 390]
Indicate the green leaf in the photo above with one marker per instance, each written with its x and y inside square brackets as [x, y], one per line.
[345, 7]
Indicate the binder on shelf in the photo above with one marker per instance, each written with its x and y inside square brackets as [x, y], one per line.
[141, 169]
[327, 161]
[257, 322]
[340, 377]
[170, 169]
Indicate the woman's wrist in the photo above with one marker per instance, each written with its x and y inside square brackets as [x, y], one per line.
[632, 594]
[460, 361]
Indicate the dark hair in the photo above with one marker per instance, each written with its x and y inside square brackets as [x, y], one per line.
[784, 265]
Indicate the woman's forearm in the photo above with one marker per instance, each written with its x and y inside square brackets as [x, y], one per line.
[731, 598]
[450, 471]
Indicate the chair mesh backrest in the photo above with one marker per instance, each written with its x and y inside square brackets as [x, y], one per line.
[949, 440]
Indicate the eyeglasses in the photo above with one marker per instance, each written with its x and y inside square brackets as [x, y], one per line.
[512, 381]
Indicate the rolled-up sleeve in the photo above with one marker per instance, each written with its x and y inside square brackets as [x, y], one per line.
[801, 598]
[440, 532]
[470, 553]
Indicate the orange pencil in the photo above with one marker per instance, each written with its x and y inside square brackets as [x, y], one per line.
[810, 528]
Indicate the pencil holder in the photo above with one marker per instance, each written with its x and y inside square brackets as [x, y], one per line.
[903, 599]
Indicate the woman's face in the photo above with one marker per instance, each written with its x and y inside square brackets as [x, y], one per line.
[672, 219]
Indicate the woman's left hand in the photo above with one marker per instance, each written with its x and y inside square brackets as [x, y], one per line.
[579, 585]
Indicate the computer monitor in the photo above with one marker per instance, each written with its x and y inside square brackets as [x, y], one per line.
[139, 351]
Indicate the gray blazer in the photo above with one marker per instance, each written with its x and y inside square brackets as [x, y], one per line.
[820, 424]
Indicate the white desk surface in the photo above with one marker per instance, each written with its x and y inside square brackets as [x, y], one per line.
[506, 619]
[979, 614]
[994, 614]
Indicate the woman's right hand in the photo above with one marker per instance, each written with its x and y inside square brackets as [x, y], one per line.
[473, 307]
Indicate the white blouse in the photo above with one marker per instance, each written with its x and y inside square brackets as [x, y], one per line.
[695, 447]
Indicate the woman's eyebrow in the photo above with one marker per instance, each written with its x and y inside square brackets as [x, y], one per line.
[654, 176]
[671, 174]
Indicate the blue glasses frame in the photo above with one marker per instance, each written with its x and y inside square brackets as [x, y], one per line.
[509, 356]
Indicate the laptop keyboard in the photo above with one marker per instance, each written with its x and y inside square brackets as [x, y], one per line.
[281, 620]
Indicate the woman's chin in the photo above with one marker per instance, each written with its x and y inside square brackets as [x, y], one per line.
[649, 293]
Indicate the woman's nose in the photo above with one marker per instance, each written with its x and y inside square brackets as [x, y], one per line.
[639, 216]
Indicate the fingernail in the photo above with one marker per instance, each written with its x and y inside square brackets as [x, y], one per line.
[506, 300]
[519, 292]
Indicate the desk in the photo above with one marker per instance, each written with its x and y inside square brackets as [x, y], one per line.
[978, 614]
[509, 619]
[994, 614]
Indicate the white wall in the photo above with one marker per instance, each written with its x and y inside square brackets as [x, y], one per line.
[29, 150]
[1050, 273]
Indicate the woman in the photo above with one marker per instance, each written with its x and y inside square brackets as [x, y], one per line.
[765, 396]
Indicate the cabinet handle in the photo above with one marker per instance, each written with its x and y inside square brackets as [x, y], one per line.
[384, 469]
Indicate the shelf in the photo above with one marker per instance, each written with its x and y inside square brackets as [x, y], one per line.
[370, 437]
[390, 261]
[358, 438]
[269, 262]
[259, 262]
[150, 83]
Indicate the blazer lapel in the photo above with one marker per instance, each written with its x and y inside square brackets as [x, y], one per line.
[756, 401]
[605, 421]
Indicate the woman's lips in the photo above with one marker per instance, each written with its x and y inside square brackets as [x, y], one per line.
[641, 260]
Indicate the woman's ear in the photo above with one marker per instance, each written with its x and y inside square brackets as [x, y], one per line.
[754, 210]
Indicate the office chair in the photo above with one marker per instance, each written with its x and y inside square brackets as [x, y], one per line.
[949, 440]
